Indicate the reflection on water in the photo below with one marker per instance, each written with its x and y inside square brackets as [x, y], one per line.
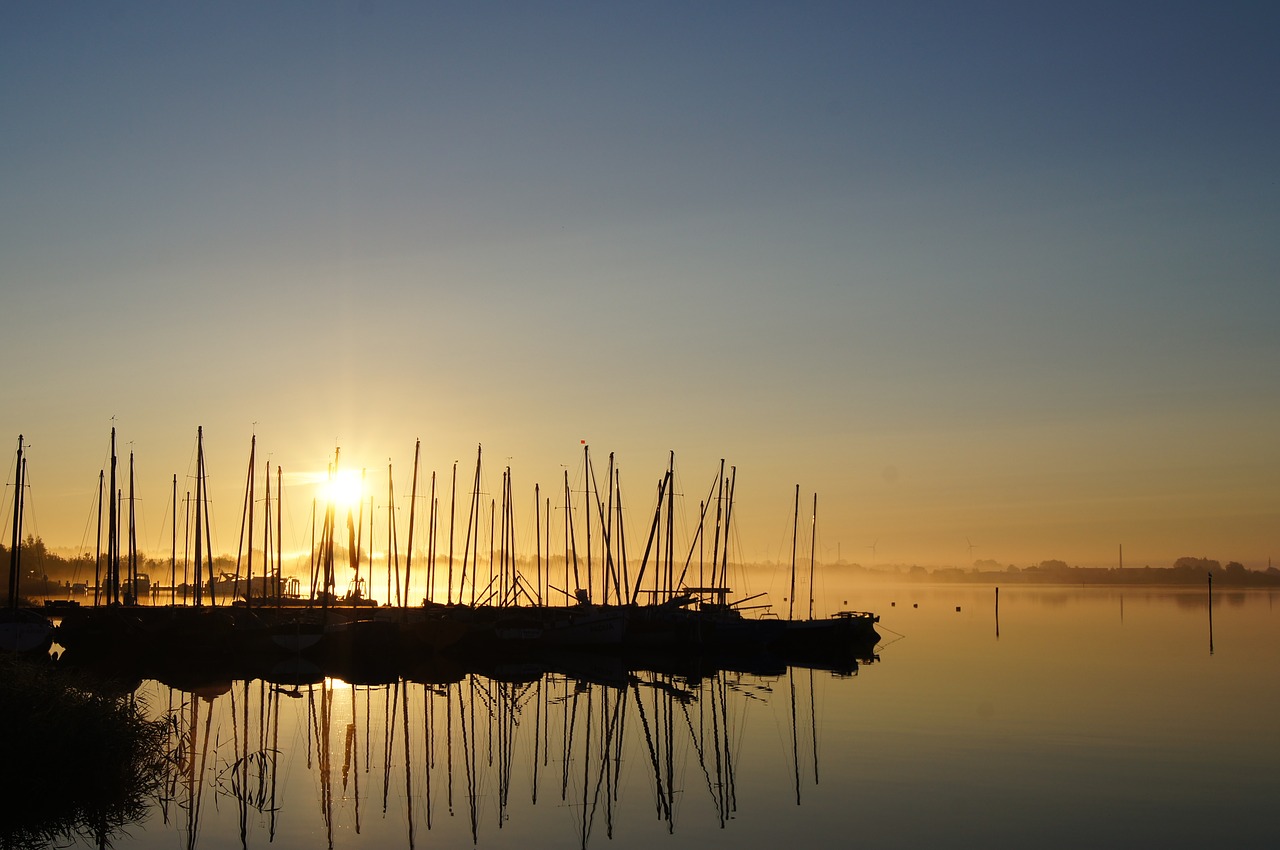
[1095, 717]
[256, 762]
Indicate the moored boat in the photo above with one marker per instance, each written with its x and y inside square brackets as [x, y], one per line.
[22, 630]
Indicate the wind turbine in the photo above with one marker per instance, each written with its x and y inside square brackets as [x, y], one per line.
[971, 548]
[872, 547]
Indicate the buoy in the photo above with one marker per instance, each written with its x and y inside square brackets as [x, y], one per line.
[915, 604]
[957, 609]
[893, 604]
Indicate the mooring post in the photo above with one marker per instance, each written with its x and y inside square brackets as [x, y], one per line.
[1211, 613]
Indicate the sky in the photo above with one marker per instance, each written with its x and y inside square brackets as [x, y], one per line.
[993, 280]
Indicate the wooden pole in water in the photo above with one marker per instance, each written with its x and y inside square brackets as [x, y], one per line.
[997, 611]
[1211, 613]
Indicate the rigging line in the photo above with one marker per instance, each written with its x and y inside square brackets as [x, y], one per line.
[89, 524]
[168, 503]
[28, 510]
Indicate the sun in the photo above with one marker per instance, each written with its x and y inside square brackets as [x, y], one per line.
[343, 490]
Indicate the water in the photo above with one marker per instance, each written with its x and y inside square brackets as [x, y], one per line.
[1094, 717]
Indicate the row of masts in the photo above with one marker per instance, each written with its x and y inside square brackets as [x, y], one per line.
[602, 576]
[112, 589]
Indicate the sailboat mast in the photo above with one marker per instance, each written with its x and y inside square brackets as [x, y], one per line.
[97, 553]
[537, 533]
[173, 550]
[315, 573]
[715, 545]
[475, 510]
[671, 525]
[391, 509]
[413, 504]
[186, 544]
[431, 544]
[266, 541]
[728, 518]
[15, 559]
[489, 587]
[546, 589]
[502, 542]
[622, 540]
[279, 533]
[795, 525]
[610, 565]
[113, 555]
[22, 507]
[453, 501]
[813, 544]
[248, 593]
[570, 542]
[133, 540]
[199, 565]
[586, 501]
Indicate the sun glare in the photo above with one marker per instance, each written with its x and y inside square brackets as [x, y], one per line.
[344, 490]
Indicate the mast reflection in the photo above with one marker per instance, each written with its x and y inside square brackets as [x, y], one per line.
[594, 730]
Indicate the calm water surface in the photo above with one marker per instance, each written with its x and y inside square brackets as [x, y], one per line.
[1081, 717]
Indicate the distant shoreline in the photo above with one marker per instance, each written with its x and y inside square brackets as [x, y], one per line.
[1082, 577]
[42, 566]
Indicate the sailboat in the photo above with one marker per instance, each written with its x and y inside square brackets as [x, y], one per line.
[839, 638]
[22, 630]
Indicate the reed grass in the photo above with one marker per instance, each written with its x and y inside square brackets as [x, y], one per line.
[78, 762]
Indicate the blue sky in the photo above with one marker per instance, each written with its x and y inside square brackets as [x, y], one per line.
[999, 272]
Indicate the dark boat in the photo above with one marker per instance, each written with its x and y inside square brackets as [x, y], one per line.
[23, 631]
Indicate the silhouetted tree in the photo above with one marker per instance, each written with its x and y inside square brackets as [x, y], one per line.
[1186, 565]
